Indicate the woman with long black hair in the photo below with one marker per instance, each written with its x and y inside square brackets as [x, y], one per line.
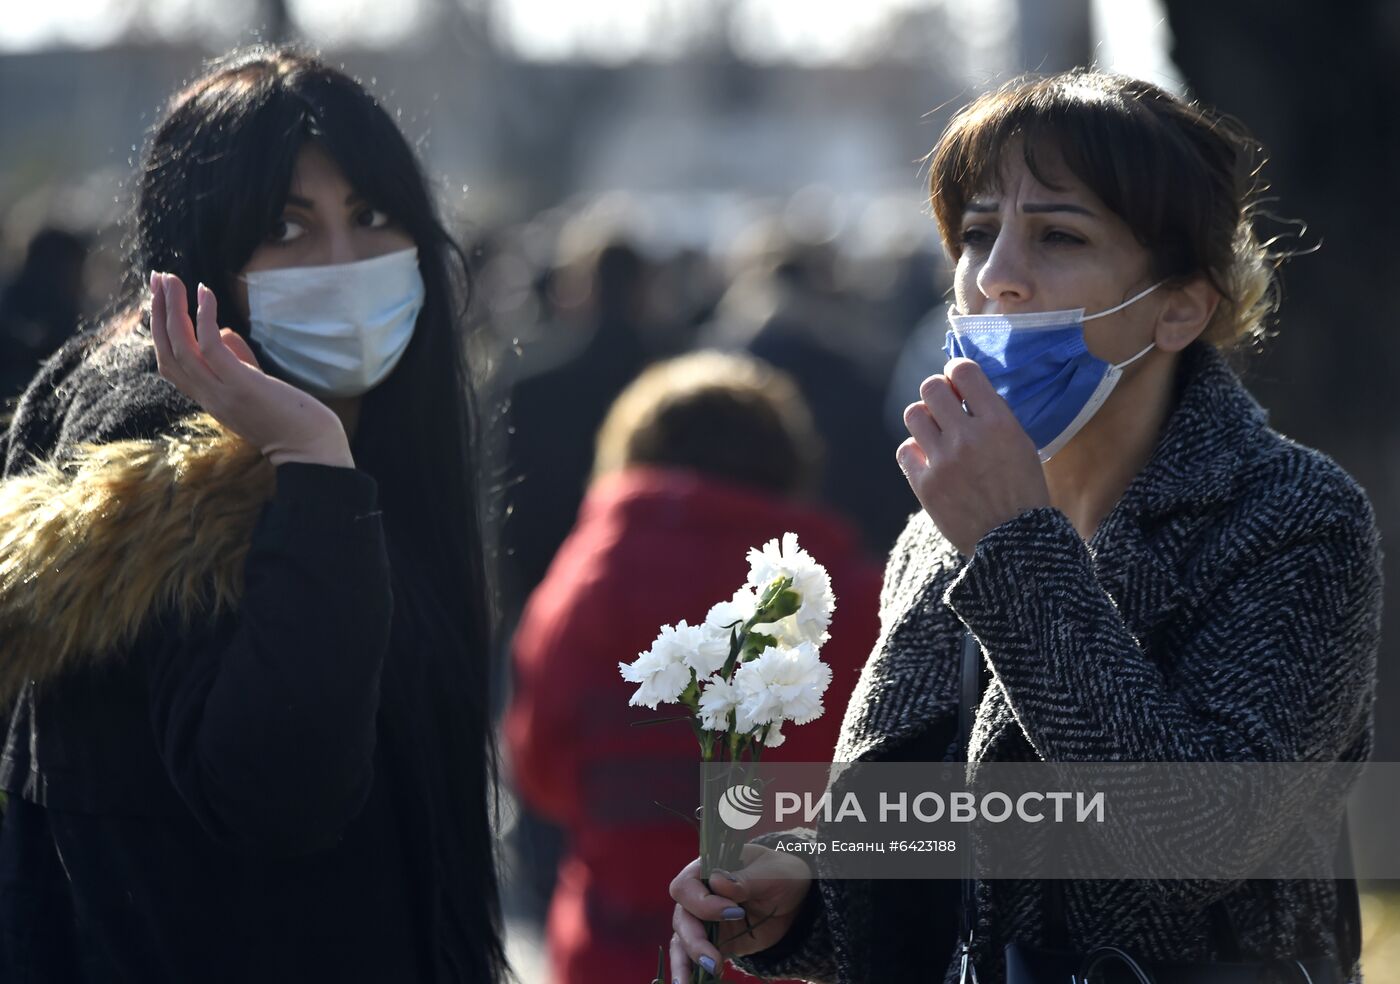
[243, 598]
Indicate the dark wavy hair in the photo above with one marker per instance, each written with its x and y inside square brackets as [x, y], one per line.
[213, 183]
[1183, 177]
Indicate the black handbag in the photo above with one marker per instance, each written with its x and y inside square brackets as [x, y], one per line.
[1026, 964]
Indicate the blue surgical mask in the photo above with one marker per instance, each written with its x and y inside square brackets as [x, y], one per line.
[1040, 365]
[336, 330]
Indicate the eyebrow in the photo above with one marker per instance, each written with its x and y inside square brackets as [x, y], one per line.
[301, 202]
[1038, 207]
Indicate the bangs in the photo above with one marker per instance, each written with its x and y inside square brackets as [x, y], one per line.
[356, 133]
[1115, 135]
[272, 117]
[370, 150]
[972, 162]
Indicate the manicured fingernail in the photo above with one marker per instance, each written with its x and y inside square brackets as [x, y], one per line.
[733, 912]
[708, 964]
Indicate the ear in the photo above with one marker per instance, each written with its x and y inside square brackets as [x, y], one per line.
[1185, 312]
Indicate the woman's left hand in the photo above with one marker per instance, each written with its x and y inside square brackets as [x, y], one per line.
[972, 469]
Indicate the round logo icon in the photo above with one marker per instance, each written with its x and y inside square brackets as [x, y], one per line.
[740, 807]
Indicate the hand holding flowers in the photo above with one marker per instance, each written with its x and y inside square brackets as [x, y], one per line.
[751, 666]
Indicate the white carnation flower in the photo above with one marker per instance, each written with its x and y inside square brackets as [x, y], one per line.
[783, 684]
[738, 609]
[663, 671]
[713, 651]
[775, 735]
[704, 649]
[719, 697]
[716, 701]
[787, 632]
[809, 579]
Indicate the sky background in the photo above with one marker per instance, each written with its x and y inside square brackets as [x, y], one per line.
[1131, 33]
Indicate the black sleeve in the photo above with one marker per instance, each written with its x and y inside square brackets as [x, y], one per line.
[266, 719]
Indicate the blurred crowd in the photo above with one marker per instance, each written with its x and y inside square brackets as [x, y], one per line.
[41, 299]
[633, 476]
[578, 304]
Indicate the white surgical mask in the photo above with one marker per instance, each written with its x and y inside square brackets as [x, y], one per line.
[337, 330]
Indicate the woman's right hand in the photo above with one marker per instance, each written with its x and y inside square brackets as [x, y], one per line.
[765, 894]
[216, 369]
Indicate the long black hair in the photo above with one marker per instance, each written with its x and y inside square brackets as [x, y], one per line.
[214, 182]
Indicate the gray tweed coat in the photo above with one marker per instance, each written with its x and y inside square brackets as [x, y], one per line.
[1227, 609]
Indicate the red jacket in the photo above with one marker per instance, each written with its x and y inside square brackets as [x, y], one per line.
[649, 547]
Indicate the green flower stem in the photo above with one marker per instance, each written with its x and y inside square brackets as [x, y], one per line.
[719, 846]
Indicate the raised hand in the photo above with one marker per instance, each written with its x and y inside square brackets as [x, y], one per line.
[970, 464]
[215, 368]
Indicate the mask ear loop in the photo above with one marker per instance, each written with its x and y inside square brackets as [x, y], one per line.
[1113, 310]
[1136, 297]
[1150, 347]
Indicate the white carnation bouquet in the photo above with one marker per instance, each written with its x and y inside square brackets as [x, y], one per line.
[752, 666]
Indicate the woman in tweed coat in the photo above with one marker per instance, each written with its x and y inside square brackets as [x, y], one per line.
[1178, 582]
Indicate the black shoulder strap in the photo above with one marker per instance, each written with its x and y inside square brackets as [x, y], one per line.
[1348, 924]
[971, 695]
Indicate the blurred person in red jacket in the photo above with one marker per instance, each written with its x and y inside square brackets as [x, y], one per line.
[699, 459]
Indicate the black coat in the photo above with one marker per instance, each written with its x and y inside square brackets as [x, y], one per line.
[204, 780]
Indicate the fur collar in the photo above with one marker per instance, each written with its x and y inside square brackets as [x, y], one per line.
[93, 546]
